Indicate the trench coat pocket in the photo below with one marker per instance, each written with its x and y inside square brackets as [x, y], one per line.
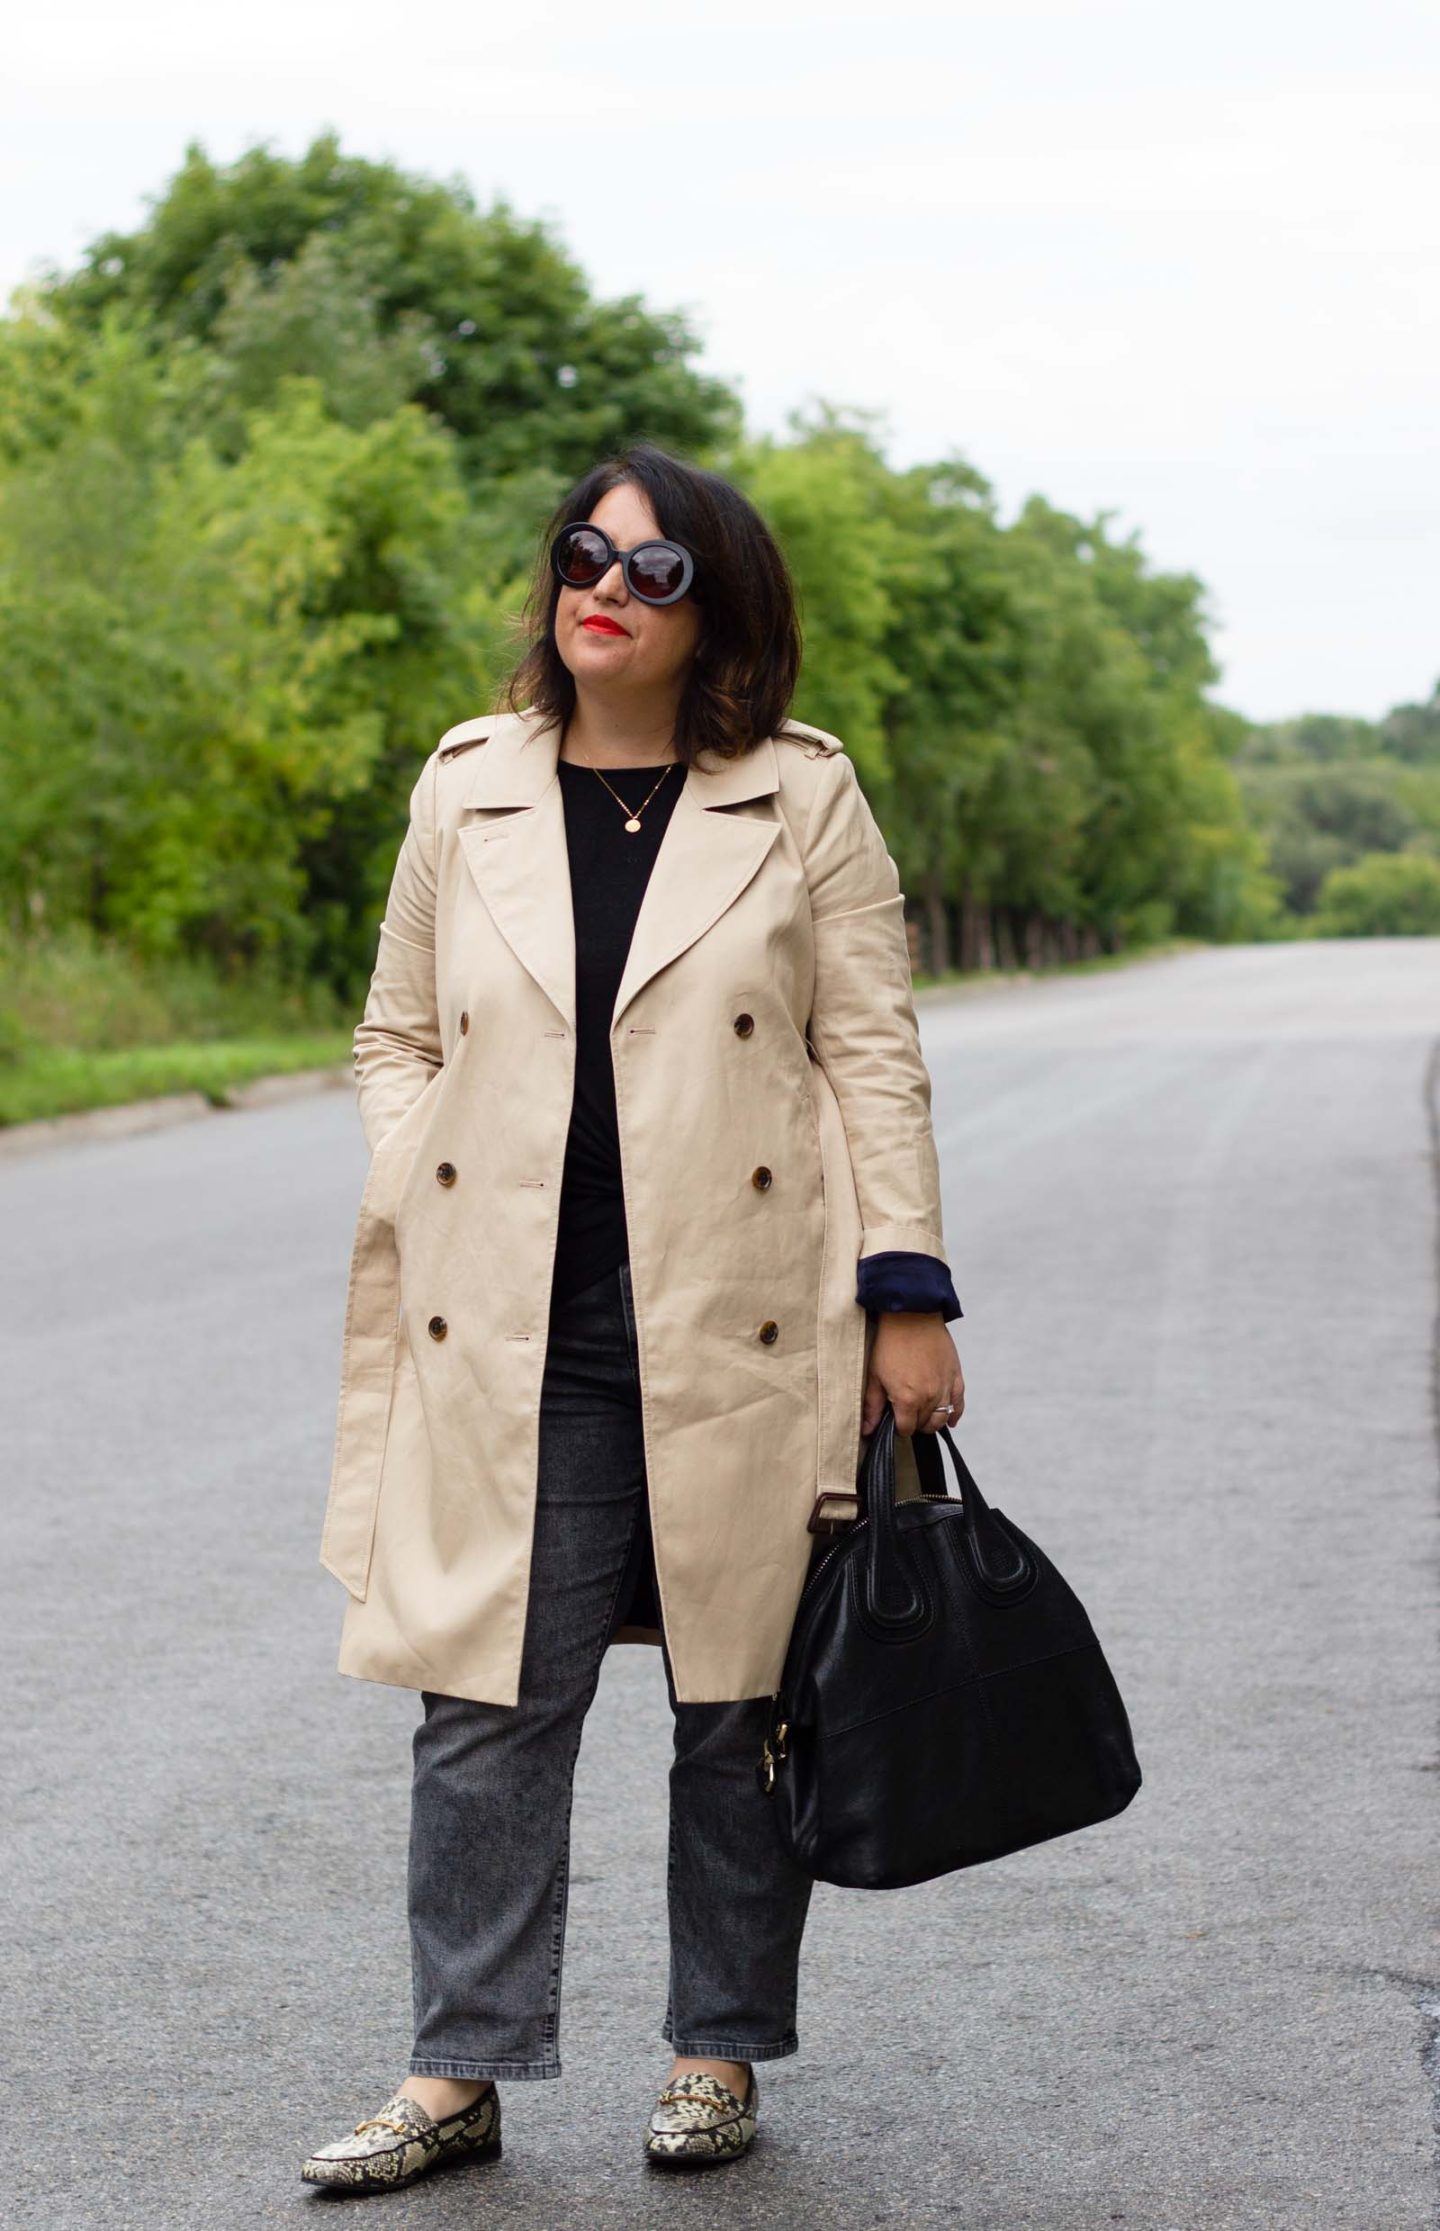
[369, 1354]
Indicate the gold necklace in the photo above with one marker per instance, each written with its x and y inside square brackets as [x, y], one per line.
[633, 814]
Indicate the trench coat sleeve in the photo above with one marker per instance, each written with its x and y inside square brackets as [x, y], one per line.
[863, 1025]
[397, 1042]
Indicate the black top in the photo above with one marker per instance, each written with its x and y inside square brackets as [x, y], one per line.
[609, 870]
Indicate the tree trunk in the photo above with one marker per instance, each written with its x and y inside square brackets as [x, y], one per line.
[975, 949]
[937, 922]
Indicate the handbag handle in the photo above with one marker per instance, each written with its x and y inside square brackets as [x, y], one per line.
[895, 1597]
[1000, 1563]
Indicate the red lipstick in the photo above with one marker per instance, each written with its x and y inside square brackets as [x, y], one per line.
[599, 625]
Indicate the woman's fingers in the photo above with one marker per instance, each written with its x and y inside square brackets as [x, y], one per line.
[935, 1414]
[918, 1408]
[922, 1413]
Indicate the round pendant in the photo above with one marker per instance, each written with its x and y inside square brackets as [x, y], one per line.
[632, 826]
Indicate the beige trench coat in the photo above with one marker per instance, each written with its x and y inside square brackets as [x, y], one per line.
[765, 1020]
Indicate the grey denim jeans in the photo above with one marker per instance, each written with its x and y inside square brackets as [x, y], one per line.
[490, 1810]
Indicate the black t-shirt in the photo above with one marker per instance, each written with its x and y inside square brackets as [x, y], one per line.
[609, 869]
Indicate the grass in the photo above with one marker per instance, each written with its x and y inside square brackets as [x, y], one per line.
[85, 1023]
[61, 1080]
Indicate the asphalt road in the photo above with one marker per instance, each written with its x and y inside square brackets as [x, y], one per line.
[1190, 1208]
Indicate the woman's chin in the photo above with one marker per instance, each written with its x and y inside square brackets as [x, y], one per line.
[600, 656]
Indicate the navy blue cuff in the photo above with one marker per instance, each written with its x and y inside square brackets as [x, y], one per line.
[896, 1279]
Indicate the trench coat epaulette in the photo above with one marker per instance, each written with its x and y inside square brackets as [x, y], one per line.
[460, 739]
[818, 742]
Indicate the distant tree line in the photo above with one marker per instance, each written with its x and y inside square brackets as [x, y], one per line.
[1350, 811]
[271, 470]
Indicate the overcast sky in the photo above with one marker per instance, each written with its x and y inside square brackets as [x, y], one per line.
[1179, 261]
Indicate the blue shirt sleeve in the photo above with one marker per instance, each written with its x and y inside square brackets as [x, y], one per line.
[895, 1279]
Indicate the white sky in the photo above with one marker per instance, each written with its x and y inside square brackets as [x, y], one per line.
[1181, 261]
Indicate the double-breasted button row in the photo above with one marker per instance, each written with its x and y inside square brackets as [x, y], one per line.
[743, 1025]
[445, 1174]
[464, 1022]
[769, 1331]
[762, 1180]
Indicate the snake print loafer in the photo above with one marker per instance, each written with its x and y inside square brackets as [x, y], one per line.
[403, 2142]
[698, 2119]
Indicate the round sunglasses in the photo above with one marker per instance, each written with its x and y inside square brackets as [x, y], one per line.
[656, 572]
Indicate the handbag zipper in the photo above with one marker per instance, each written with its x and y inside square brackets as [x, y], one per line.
[780, 1728]
[848, 1536]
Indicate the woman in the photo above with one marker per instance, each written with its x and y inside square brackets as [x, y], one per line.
[651, 1232]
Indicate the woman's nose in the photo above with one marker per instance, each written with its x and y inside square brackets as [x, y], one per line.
[612, 584]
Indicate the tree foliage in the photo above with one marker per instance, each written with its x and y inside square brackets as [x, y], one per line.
[393, 288]
[271, 470]
[1330, 791]
[1387, 894]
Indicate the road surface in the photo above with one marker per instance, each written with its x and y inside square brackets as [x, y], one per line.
[1190, 1207]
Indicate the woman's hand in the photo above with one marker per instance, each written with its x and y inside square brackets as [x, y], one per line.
[913, 1364]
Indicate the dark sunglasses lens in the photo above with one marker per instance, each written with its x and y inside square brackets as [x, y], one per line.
[657, 570]
[581, 556]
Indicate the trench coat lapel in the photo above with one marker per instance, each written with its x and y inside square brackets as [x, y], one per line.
[514, 843]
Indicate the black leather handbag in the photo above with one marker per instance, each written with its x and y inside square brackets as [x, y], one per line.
[944, 1698]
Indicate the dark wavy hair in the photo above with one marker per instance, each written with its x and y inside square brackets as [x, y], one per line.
[743, 678]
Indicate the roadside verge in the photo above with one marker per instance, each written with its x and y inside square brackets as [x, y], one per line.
[123, 1122]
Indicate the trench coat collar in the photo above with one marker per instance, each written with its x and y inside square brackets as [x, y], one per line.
[513, 834]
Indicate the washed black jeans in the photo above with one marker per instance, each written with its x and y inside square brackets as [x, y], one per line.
[490, 1815]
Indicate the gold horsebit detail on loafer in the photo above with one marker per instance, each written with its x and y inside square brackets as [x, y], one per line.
[387, 2122]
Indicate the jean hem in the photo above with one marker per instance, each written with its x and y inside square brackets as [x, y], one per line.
[513, 2072]
[706, 2049]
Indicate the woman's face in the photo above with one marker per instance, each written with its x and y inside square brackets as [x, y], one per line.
[609, 638]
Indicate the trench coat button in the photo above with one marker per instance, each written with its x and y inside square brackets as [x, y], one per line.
[464, 1022]
[447, 1173]
[744, 1024]
[769, 1331]
[437, 1328]
[760, 1179]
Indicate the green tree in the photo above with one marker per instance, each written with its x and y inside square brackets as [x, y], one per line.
[1326, 814]
[821, 493]
[1112, 717]
[1387, 894]
[1412, 732]
[207, 664]
[953, 645]
[390, 287]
